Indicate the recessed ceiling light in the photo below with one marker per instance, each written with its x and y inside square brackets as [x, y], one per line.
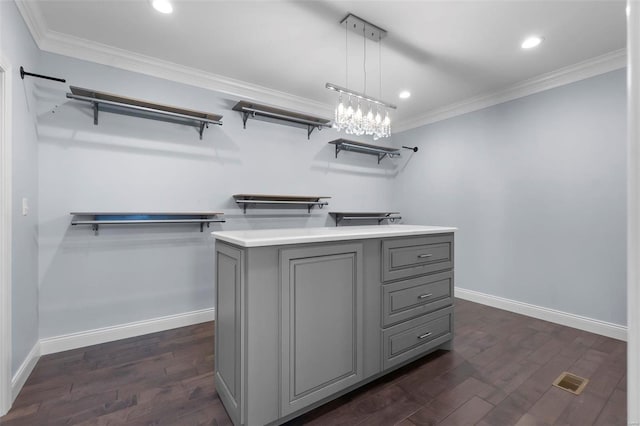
[404, 94]
[162, 6]
[531, 42]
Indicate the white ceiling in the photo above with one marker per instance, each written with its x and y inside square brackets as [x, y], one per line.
[444, 52]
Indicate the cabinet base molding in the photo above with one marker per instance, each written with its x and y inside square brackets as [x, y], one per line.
[615, 331]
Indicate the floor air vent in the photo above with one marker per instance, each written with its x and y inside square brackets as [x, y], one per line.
[571, 383]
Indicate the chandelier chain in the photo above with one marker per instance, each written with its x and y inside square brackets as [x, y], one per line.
[364, 60]
[380, 67]
[346, 55]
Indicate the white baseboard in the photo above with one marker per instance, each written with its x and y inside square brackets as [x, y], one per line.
[615, 331]
[66, 342]
[21, 376]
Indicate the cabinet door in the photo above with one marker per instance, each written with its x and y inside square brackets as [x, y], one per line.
[321, 324]
[229, 283]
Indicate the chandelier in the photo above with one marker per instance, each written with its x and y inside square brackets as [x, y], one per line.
[356, 112]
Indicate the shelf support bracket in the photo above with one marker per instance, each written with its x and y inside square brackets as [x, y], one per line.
[95, 113]
[202, 126]
[310, 129]
[381, 156]
[202, 225]
[95, 229]
[245, 117]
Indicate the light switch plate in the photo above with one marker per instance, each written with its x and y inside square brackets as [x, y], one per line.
[25, 206]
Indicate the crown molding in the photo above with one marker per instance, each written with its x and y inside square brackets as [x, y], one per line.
[590, 68]
[63, 44]
[33, 18]
[78, 48]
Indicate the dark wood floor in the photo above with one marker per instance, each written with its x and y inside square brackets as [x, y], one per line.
[499, 373]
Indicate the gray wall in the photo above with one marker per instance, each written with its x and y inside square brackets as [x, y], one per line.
[535, 185]
[19, 49]
[132, 164]
[537, 188]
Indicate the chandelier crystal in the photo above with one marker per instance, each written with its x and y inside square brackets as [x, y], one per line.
[357, 113]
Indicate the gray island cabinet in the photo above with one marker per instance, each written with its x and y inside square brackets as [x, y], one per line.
[305, 315]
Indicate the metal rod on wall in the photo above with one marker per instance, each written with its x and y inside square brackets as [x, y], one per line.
[46, 77]
[412, 148]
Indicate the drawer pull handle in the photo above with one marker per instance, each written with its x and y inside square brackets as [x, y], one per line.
[424, 296]
[423, 256]
[424, 336]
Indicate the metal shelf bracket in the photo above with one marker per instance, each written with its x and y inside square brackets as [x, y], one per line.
[245, 117]
[95, 113]
[96, 219]
[378, 216]
[310, 129]
[379, 151]
[138, 108]
[252, 200]
[254, 111]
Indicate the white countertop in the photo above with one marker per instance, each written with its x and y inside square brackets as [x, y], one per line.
[275, 237]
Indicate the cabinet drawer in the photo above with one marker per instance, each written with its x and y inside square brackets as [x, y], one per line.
[410, 257]
[412, 338]
[411, 298]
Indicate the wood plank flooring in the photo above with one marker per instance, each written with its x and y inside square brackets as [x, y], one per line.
[499, 373]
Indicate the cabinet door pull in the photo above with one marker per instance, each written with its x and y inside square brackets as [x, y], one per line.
[422, 256]
[424, 336]
[424, 296]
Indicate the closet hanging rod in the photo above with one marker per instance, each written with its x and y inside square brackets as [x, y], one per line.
[315, 203]
[46, 77]
[389, 152]
[285, 117]
[370, 217]
[141, 108]
[144, 221]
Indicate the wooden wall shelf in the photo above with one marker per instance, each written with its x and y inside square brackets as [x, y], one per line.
[365, 148]
[309, 201]
[95, 219]
[138, 108]
[379, 216]
[267, 113]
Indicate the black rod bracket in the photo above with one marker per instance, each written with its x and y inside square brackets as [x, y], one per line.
[310, 129]
[95, 113]
[202, 126]
[46, 77]
[245, 117]
[412, 148]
